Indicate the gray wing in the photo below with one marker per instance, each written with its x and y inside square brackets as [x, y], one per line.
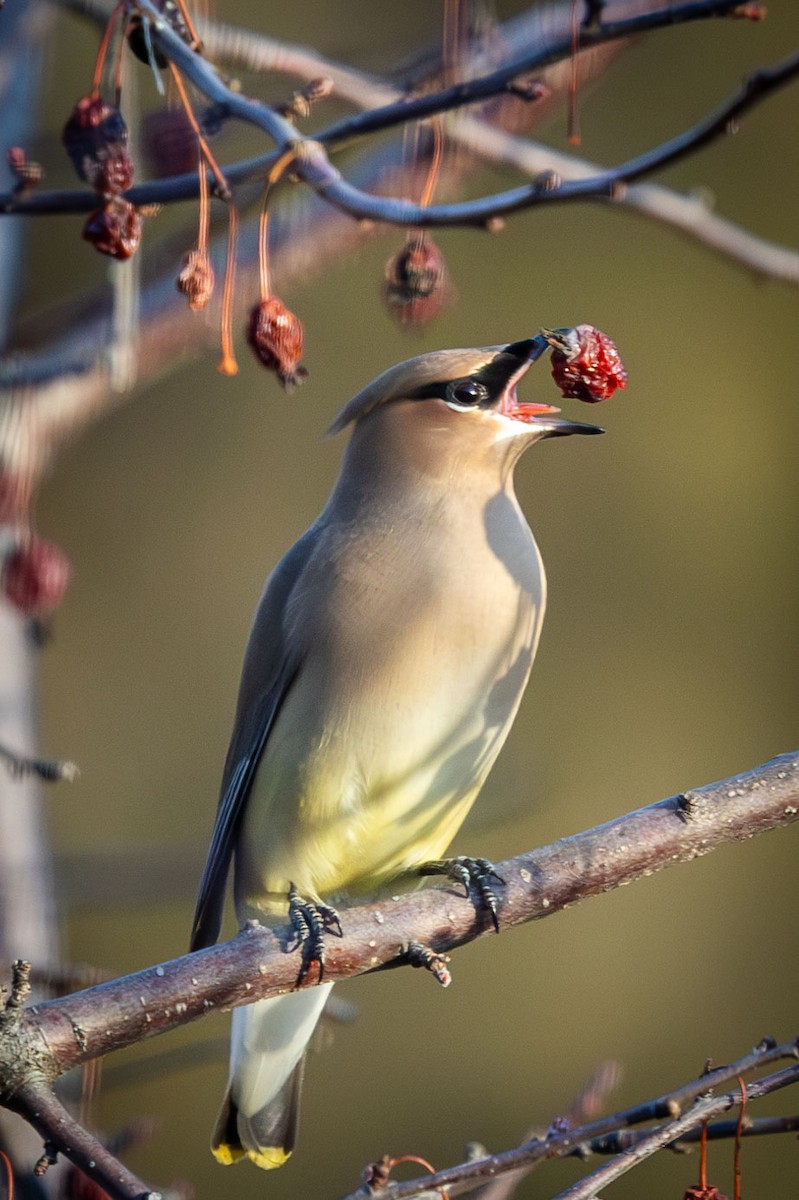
[270, 668]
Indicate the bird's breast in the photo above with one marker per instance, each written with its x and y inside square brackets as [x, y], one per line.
[423, 640]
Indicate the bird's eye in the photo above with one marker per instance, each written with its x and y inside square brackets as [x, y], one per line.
[466, 393]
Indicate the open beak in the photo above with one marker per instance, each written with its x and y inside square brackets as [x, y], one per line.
[515, 361]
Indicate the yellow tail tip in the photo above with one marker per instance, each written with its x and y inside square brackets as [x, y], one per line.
[227, 1155]
[267, 1157]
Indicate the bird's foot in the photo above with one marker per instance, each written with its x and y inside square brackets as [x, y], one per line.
[419, 955]
[311, 921]
[471, 872]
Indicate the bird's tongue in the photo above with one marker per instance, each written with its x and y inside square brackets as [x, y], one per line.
[522, 410]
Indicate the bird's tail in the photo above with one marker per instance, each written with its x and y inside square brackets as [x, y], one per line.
[259, 1114]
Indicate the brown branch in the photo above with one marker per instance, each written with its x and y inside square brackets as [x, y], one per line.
[255, 964]
[40, 1042]
[314, 167]
[61, 1133]
[703, 1110]
[615, 1143]
[684, 1109]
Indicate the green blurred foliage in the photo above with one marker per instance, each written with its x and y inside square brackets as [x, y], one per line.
[669, 656]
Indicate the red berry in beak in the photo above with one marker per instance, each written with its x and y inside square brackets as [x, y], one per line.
[585, 363]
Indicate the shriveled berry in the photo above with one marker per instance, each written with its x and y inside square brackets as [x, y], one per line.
[585, 363]
[35, 577]
[143, 47]
[114, 229]
[28, 173]
[276, 336]
[169, 142]
[416, 283]
[96, 139]
[196, 279]
[703, 1192]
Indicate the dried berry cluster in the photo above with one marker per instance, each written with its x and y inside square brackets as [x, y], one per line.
[96, 139]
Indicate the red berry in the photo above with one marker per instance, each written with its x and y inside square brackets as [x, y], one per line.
[276, 337]
[114, 229]
[96, 139]
[585, 363]
[35, 577]
[169, 142]
[416, 283]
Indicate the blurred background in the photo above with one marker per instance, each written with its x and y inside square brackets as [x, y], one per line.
[669, 656]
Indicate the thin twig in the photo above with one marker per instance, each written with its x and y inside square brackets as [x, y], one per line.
[313, 165]
[615, 1143]
[588, 1188]
[468, 1175]
[48, 769]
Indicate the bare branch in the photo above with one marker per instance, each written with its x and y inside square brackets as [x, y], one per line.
[255, 964]
[684, 1110]
[314, 167]
[44, 1111]
[703, 1110]
[48, 769]
[691, 215]
[616, 1143]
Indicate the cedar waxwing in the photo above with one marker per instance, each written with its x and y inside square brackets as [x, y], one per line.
[386, 663]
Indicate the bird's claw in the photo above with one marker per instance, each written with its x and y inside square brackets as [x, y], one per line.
[419, 955]
[471, 872]
[311, 921]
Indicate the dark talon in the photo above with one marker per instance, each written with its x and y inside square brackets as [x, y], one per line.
[423, 956]
[471, 872]
[311, 922]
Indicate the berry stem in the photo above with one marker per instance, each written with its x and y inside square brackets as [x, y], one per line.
[228, 364]
[573, 126]
[205, 207]
[102, 51]
[272, 178]
[221, 183]
[195, 38]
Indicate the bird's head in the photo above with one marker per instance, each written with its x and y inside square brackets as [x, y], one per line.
[468, 391]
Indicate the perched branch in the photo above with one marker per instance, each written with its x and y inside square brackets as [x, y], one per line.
[254, 964]
[40, 1042]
